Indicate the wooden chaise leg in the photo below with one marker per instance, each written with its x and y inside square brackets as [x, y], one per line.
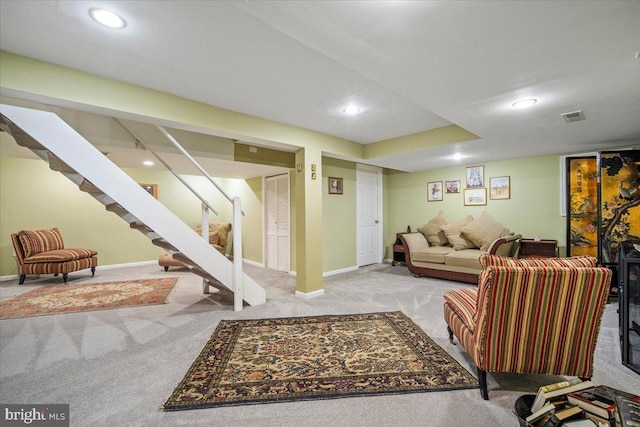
[450, 335]
[22, 277]
[482, 381]
[64, 277]
[93, 271]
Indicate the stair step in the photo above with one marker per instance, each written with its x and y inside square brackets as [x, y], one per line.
[212, 280]
[87, 186]
[179, 256]
[56, 164]
[141, 226]
[117, 209]
[22, 138]
[164, 245]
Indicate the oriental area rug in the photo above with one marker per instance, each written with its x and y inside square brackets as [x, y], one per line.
[58, 299]
[320, 357]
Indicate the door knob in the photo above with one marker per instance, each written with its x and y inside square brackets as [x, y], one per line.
[377, 221]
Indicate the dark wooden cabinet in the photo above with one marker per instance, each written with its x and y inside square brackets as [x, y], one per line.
[544, 248]
[398, 251]
[629, 300]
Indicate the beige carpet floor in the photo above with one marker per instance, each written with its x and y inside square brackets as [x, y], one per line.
[117, 367]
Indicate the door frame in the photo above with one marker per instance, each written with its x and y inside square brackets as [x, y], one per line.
[380, 244]
[264, 217]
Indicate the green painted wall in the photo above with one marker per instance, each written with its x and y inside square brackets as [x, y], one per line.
[533, 209]
[339, 221]
[34, 197]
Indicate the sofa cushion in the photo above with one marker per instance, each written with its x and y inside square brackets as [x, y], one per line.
[469, 258]
[60, 255]
[487, 260]
[434, 254]
[483, 230]
[463, 302]
[433, 232]
[35, 242]
[452, 231]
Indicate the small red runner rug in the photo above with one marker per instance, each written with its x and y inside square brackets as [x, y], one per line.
[59, 299]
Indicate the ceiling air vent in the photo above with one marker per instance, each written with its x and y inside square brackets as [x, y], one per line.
[574, 116]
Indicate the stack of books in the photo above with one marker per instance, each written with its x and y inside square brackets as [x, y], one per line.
[576, 403]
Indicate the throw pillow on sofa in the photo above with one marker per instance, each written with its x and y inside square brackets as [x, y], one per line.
[483, 230]
[432, 231]
[457, 240]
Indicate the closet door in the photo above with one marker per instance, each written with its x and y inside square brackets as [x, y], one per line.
[277, 222]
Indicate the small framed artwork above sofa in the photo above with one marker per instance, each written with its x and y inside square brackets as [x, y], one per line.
[475, 176]
[434, 191]
[475, 196]
[452, 187]
[500, 187]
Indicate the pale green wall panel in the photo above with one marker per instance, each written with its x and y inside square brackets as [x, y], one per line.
[533, 209]
[32, 196]
[251, 193]
[339, 216]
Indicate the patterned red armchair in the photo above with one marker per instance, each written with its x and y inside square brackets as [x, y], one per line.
[534, 315]
[43, 252]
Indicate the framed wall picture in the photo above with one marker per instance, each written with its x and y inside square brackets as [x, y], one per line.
[499, 187]
[335, 185]
[434, 191]
[475, 176]
[151, 189]
[475, 196]
[451, 187]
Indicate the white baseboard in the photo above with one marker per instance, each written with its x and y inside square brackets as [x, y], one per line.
[98, 267]
[313, 294]
[128, 264]
[254, 263]
[331, 273]
[342, 270]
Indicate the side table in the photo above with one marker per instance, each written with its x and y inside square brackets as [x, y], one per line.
[531, 248]
[398, 251]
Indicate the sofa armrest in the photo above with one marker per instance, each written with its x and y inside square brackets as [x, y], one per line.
[414, 242]
[505, 246]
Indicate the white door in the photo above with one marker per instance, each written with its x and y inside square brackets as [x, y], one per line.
[277, 222]
[369, 183]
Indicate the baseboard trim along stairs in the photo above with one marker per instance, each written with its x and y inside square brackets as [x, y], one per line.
[69, 153]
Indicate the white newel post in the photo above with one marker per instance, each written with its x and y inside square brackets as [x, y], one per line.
[205, 236]
[238, 287]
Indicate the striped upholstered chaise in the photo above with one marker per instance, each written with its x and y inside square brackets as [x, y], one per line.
[534, 315]
[43, 252]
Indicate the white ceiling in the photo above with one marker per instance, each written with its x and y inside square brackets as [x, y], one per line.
[411, 65]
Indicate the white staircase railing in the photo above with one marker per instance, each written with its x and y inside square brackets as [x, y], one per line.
[85, 162]
[237, 276]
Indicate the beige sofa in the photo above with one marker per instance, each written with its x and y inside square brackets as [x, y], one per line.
[451, 251]
[218, 238]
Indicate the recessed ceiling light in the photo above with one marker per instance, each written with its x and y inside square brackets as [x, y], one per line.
[351, 109]
[524, 103]
[148, 163]
[457, 156]
[107, 18]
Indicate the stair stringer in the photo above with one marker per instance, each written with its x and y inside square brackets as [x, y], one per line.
[63, 141]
